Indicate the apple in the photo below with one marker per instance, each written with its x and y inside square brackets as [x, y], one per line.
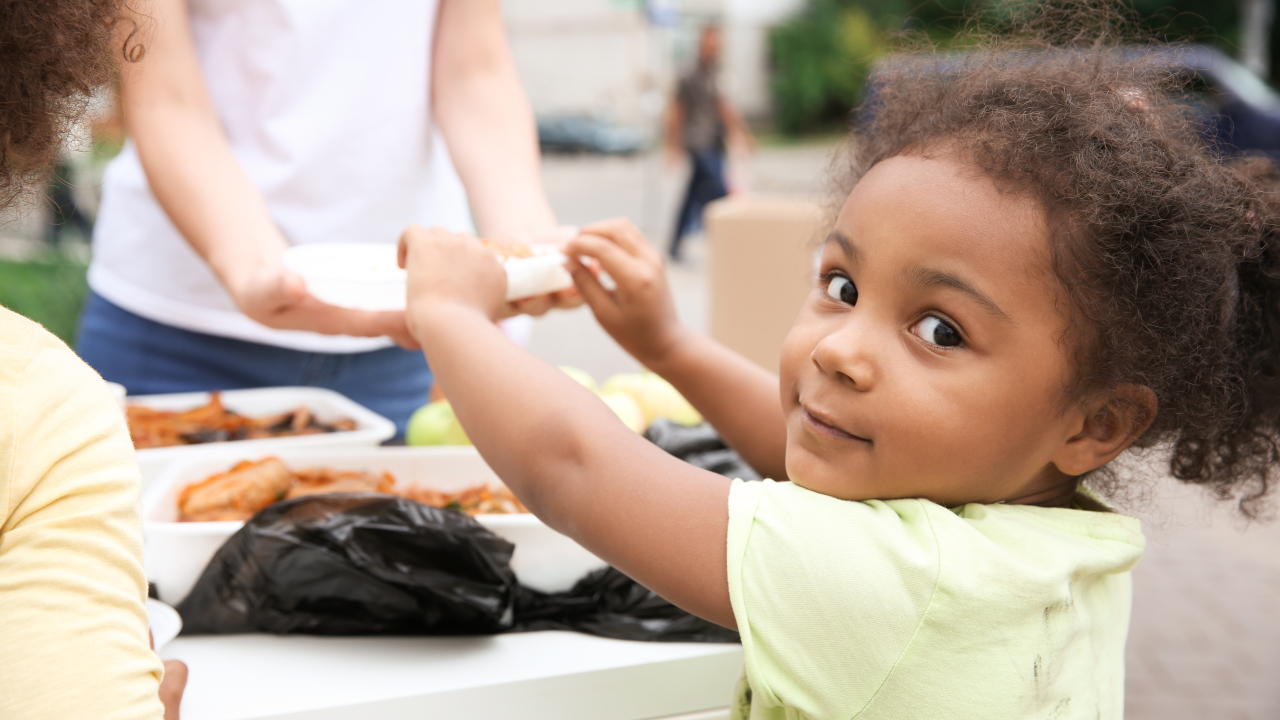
[656, 397]
[627, 409]
[582, 376]
[435, 424]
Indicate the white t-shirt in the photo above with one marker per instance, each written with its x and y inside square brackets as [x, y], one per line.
[906, 609]
[326, 106]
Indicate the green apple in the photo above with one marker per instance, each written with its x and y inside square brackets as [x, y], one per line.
[582, 376]
[627, 409]
[435, 424]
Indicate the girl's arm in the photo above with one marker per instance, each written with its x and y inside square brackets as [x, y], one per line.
[205, 192]
[556, 445]
[739, 398]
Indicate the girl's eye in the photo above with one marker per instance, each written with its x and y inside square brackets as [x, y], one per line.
[842, 289]
[936, 331]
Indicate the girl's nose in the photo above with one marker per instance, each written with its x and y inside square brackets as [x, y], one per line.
[848, 354]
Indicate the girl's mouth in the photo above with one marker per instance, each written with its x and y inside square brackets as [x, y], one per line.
[826, 429]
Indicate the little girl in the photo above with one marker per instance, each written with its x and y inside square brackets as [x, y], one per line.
[1038, 265]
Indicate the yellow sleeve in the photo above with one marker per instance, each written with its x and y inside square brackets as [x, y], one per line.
[73, 625]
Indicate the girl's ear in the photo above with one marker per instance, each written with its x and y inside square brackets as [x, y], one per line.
[1110, 425]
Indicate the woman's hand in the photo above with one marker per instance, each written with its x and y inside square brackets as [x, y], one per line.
[639, 312]
[278, 298]
[450, 270]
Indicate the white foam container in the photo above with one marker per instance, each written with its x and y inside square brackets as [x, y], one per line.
[326, 405]
[364, 276]
[177, 552]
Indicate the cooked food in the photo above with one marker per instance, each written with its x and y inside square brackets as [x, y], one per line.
[506, 251]
[237, 494]
[153, 428]
[320, 481]
[242, 491]
[479, 500]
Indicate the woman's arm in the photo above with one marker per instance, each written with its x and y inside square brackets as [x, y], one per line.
[204, 191]
[739, 398]
[486, 120]
[559, 448]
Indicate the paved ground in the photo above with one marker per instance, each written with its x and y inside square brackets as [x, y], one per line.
[1205, 637]
[586, 188]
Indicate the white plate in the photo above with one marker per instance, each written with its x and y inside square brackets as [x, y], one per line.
[327, 405]
[364, 276]
[166, 623]
[177, 552]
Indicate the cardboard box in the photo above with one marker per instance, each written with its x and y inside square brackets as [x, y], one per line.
[762, 260]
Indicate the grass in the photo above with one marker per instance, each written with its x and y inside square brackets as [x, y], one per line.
[50, 290]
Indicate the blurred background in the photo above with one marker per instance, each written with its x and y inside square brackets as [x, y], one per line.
[600, 75]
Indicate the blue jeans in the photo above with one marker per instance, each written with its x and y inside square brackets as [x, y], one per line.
[150, 358]
[706, 184]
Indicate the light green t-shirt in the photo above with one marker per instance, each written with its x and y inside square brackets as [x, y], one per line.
[905, 610]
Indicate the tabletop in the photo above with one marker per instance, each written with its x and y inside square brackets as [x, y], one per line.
[533, 675]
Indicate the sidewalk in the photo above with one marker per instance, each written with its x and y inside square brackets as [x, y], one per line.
[1205, 637]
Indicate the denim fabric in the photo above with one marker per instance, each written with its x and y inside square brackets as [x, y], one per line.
[706, 184]
[152, 358]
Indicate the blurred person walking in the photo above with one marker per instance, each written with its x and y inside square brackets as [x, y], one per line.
[255, 125]
[700, 123]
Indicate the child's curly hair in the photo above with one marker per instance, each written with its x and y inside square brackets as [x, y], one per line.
[55, 53]
[1168, 250]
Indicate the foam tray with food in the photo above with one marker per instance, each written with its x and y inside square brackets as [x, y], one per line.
[323, 405]
[365, 276]
[177, 552]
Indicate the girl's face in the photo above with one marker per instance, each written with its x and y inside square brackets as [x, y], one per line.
[927, 360]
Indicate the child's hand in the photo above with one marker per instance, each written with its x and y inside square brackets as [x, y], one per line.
[449, 269]
[639, 312]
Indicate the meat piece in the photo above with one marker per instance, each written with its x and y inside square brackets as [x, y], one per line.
[248, 487]
[506, 251]
[341, 485]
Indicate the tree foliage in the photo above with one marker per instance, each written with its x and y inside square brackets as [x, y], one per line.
[822, 54]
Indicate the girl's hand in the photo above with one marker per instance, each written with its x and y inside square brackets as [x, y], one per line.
[450, 270]
[639, 312]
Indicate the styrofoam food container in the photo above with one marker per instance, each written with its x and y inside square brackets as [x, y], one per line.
[177, 552]
[165, 622]
[327, 405]
[118, 393]
[364, 276]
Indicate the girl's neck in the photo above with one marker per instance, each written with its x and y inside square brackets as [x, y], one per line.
[1059, 494]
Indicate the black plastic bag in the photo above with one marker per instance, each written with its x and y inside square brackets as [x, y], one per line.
[700, 446]
[356, 564]
[610, 604]
[371, 564]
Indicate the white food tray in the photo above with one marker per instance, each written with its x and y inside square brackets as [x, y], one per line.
[365, 276]
[326, 405]
[177, 552]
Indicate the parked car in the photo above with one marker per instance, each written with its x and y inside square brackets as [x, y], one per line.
[1241, 110]
[578, 134]
[1237, 108]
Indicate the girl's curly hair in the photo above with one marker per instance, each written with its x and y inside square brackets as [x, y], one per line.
[54, 54]
[1167, 248]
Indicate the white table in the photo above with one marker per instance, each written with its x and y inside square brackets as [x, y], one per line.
[553, 675]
